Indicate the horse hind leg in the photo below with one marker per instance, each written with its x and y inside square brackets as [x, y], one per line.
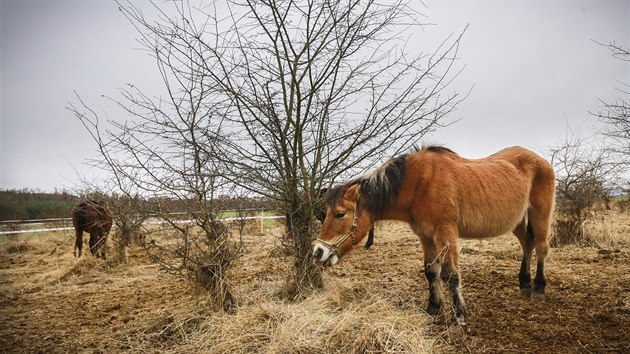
[78, 244]
[525, 236]
[539, 224]
[541, 201]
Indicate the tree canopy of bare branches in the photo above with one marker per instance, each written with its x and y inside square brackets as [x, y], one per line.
[616, 114]
[277, 98]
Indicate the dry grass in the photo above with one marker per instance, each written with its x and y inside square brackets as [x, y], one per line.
[17, 246]
[341, 320]
[603, 229]
[146, 310]
[373, 301]
[608, 229]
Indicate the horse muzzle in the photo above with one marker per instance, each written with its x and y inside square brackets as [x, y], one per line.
[325, 253]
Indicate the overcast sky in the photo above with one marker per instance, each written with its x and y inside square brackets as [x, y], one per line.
[534, 65]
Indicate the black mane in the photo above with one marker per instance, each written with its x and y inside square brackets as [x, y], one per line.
[377, 189]
[439, 149]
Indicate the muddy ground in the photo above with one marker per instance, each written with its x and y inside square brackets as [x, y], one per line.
[51, 302]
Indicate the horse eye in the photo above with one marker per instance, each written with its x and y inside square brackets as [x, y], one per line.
[340, 214]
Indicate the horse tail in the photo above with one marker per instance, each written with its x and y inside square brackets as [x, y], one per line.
[81, 215]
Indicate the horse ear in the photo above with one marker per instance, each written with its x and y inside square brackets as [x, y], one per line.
[352, 193]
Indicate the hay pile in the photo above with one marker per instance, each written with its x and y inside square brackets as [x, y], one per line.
[339, 320]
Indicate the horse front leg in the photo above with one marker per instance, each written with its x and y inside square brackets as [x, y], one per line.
[370, 239]
[97, 243]
[101, 244]
[446, 243]
[432, 274]
[450, 276]
[94, 237]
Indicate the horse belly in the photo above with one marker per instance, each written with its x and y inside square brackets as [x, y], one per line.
[493, 215]
[490, 227]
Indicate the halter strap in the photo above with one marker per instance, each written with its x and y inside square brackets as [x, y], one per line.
[334, 247]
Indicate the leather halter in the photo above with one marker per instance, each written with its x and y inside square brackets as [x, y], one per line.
[334, 247]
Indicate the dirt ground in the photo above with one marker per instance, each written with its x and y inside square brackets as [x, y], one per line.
[51, 302]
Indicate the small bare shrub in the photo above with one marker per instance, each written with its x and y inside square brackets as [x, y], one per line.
[624, 205]
[128, 214]
[200, 252]
[12, 227]
[585, 176]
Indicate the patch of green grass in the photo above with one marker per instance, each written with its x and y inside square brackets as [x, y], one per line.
[235, 214]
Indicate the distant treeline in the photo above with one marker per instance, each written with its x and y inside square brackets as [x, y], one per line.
[28, 204]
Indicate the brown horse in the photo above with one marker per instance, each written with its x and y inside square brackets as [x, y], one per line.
[443, 197]
[94, 218]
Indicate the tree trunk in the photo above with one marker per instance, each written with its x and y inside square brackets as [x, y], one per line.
[300, 235]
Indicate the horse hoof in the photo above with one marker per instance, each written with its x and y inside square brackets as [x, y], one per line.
[537, 296]
[525, 292]
[434, 310]
[463, 324]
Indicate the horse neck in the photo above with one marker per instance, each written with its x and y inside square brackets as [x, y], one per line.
[395, 212]
[399, 208]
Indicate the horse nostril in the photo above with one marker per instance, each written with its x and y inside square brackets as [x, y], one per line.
[318, 253]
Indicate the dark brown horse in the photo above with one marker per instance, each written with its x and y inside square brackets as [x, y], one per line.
[444, 197]
[94, 218]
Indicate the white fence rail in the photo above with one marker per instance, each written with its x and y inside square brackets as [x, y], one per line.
[154, 222]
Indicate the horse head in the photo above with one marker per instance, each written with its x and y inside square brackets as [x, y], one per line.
[346, 223]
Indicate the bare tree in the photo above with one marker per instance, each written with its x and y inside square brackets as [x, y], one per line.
[282, 98]
[129, 214]
[165, 153]
[616, 114]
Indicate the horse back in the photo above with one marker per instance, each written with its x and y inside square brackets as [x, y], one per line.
[483, 197]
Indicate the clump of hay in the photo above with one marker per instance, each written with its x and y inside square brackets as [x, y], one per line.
[15, 246]
[84, 265]
[346, 319]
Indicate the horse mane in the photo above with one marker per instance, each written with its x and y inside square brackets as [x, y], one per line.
[379, 188]
[376, 189]
[438, 149]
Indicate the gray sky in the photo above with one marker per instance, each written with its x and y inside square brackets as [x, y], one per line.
[533, 64]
